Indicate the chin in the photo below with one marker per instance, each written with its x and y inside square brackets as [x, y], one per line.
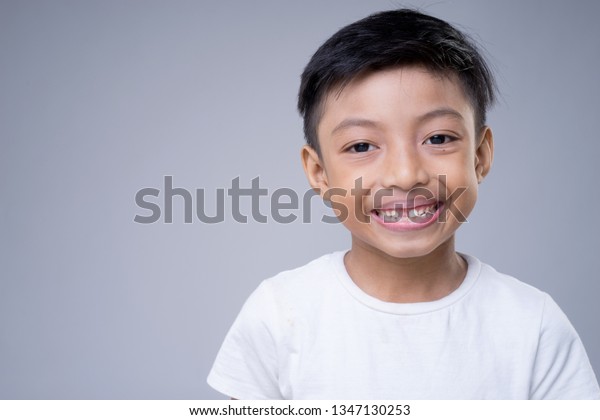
[408, 248]
[408, 253]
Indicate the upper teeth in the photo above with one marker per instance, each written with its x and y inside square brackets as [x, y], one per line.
[390, 213]
[414, 212]
[421, 211]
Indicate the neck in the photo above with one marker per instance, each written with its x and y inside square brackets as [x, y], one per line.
[406, 280]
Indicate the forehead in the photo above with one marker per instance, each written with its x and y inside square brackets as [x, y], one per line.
[399, 95]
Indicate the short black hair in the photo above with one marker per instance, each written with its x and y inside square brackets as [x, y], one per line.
[392, 39]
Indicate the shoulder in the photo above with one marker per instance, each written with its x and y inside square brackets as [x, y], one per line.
[521, 302]
[514, 310]
[315, 268]
[310, 279]
[247, 365]
[530, 322]
[293, 292]
[522, 298]
[496, 289]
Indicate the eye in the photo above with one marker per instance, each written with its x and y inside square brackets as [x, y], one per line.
[439, 139]
[361, 148]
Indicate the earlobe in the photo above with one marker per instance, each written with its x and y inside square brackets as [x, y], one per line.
[314, 169]
[484, 155]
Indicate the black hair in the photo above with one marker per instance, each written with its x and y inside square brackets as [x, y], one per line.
[392, 39]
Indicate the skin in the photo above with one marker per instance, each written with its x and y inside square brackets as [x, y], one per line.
[398, 130]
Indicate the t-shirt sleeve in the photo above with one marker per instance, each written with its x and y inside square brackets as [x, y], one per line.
[562, 370]
[246, 365]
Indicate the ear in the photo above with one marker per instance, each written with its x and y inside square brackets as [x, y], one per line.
[484, 155]
[314, 169]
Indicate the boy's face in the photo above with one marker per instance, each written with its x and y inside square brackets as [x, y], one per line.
[400, 159]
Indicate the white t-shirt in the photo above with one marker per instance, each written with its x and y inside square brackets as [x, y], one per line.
[311, 333]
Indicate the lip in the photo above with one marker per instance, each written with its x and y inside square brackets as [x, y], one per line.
[404, 225]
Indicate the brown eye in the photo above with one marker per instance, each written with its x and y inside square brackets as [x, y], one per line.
[361, 147]
[439, 139]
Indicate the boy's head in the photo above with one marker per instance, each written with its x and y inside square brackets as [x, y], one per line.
[390, 39]
[394, 112]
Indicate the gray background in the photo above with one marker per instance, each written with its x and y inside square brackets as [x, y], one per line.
[99, 99]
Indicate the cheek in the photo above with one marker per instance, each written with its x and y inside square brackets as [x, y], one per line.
[461, 189]
[461, 200]
[349, 183]
[341, 181]
[350, 208]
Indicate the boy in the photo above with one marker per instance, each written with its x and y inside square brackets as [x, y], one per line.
[394, 110]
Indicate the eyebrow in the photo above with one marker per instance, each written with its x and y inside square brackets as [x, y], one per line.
[441, 112]
[363, 122]
[354, 122]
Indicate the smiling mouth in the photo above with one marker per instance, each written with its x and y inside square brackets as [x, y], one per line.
[420, 214]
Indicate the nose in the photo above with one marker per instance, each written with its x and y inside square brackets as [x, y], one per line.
[404, 168]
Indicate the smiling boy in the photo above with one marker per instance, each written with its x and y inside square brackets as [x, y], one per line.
[394, 112]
